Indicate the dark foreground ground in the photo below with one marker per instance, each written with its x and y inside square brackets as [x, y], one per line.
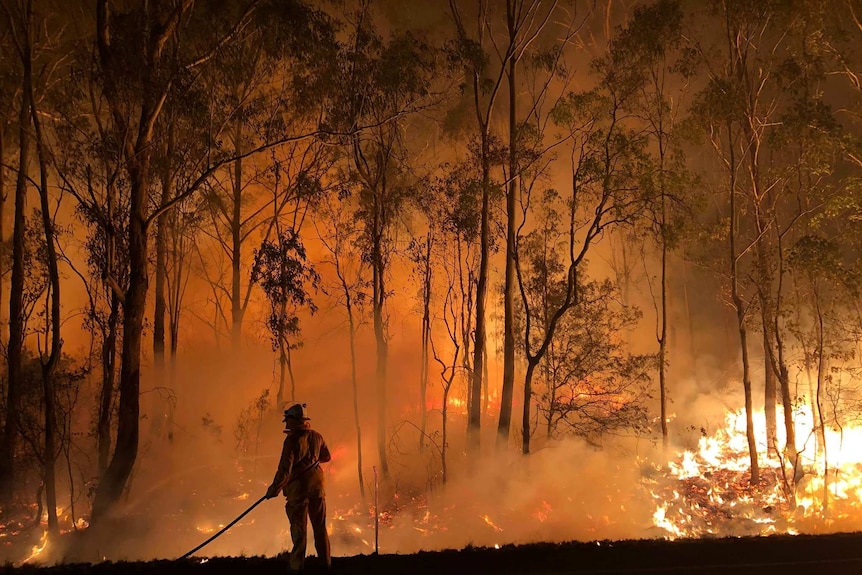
[801, 554]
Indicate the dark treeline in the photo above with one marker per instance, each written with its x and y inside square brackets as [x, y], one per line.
[540, 182]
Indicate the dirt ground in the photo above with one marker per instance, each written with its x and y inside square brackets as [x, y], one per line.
[802, 554]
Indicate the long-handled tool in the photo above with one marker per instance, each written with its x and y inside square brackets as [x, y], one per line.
[225, 528]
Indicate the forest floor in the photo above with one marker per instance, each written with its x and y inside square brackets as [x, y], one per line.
[836, 554]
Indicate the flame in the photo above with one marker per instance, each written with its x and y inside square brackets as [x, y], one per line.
[709, 492]
[542, 514]
[207, 529]
[38, 548]
[490, 523]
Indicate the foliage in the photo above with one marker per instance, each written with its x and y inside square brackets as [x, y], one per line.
[284, 274]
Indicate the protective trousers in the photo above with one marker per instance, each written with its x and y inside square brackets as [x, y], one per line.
[299, 511]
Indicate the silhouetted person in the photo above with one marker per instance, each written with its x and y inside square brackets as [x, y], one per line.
[301, 479]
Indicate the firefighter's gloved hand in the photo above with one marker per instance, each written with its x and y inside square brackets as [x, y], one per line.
[272, 491]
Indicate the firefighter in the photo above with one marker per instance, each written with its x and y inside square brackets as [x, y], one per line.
[300, 478]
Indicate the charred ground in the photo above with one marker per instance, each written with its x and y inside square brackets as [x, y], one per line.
[796, 554]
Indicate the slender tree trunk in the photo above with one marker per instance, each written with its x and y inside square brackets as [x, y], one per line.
[15, 348]
[49, 367]
[550, 379]
[508, 388]
[486, 378]
[740, 320]
[769, 392]
[237, 310]
[528, 395]
[355, 383]
[444, 430]
[662, 340]
[2, 219]
[290, 373]
[282, 370]
[106, 396]
[783, 376]
[161, 271]
[426, 336]
[474, 425]
[378, 270]
[177, 257]
[821, 365]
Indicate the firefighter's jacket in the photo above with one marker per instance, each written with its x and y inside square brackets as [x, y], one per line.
[299, 474]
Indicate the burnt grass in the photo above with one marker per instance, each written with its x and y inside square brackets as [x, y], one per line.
[784, 554]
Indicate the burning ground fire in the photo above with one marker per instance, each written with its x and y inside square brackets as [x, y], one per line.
[569, 492]
[709, 493]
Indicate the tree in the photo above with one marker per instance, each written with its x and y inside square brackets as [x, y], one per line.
[296, 43]
[831, 288]
[526, 21]
[15, 346]
[281, 270]
[484, 85]
[454, 207]
[596, 387]
[647, 45]
[340, 236]
[138, 74]
[381, 85]
[761, 81]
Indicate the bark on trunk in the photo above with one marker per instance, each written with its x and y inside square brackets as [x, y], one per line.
[16, 313]
[426, 335]
[662, 340]
[49, 367]
[769, 392]
[282, 372]
[528, 393]
[128, 424]
[379, 293]
[3, 335]
[740, 321]
[821, 365]
[508, 388]
[355, 384]
[106, 396]
[474, 424]
[160, 312]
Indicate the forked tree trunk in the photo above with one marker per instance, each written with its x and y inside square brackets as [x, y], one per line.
[134, 305]
[49, 367]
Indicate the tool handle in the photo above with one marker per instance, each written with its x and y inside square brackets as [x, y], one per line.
[225, 528]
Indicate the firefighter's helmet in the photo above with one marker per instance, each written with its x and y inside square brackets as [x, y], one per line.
[296, 412]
